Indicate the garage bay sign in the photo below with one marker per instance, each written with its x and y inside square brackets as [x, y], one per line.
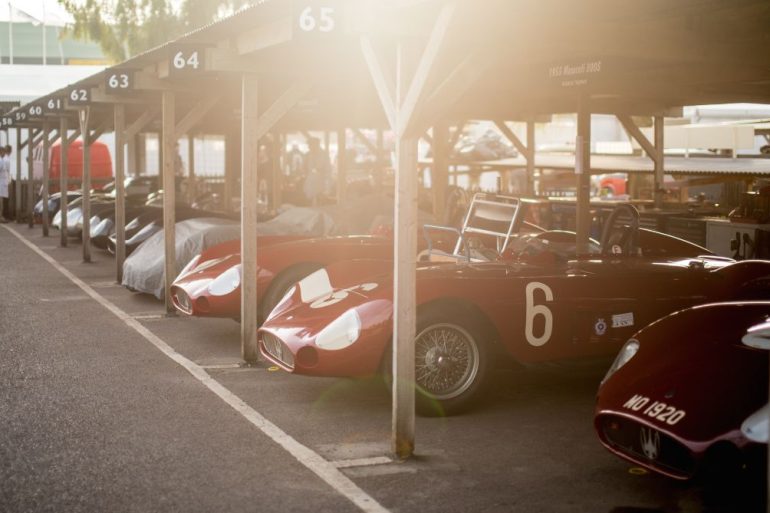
[574, 74]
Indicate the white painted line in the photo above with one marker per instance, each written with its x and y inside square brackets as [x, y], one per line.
[221, 366]
[324, 469]
[144, 317]
[362, 462]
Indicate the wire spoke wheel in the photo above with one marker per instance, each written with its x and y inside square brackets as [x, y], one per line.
[446, 360]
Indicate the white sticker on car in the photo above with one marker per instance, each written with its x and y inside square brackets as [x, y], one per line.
[623, 320]
[656, 409]
[315, 285]
[533, 311]
[338, 295]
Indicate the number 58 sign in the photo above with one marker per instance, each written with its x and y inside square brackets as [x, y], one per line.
[314, 18]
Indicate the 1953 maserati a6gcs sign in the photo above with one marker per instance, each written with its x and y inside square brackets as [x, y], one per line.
[685, 395]
[528, 296]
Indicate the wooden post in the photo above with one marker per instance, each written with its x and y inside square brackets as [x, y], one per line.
[530, 188]
[249, 183]
[85, 134]
[583, 176]
[30, 177]
[46, 176]
[192, 192]
[63, 179]
[18, 176]
[232, 165]
[166, 147]
[120, 190]
[659, 163]
[439, 171]
[342, 171]
[276, 158]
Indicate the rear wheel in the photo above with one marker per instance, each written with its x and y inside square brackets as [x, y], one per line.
[281, 285]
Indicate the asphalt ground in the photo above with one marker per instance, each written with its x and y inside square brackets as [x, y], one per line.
[95, 415]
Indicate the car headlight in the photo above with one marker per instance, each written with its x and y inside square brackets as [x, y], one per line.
[627, 352]
[226, 282]
[341, 332]
[755, 427]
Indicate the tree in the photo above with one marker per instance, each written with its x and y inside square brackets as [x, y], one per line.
[124, 28]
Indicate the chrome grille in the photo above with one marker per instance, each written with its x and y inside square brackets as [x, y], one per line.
[183, 302]
[274, 347]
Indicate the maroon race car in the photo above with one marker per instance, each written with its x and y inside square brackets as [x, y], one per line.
[528, 297]
[210, 285]
[679, 392]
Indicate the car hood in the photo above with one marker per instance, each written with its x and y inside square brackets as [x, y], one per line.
[694, 361]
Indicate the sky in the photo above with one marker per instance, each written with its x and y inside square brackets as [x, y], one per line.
[26, 10]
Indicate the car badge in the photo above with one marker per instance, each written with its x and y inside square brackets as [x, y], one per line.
[671, 393]
[650, 440]
[600, 327]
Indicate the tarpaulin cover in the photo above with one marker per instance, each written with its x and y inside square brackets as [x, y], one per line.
[144, 270]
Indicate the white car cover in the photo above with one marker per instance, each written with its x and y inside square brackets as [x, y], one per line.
[144, 269]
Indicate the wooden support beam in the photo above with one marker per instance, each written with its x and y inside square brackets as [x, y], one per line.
[98, 131]
[342, 171]
[439, 171]
[63, 179]
[139, 123]
[365, 141]
[31, 136]
[659, 163]
[192, 186]
[583, 177]
[169, 194]
[512, 137]
[249, 184]
[195, 114]
[276, 158]
[19, 146]
[46, 177]
[633, 131]
[408, 109]
[383, 83]
[83, 117]
[232, 166]
[282, 105]
[532, 147]
[120, 190]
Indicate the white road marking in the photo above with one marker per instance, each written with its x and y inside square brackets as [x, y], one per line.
[362, 462]
[222, 366]
[324, 469]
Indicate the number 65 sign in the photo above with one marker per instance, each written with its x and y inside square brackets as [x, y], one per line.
[316, 18]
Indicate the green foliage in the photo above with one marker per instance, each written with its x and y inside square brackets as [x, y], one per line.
[124, 28]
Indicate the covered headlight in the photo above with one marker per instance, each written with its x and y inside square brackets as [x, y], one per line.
[226, 282]
[341, 332]
[755, 427]
[133, 225]
[627, 352]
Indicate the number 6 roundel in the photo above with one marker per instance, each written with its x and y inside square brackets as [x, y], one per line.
[533, 310]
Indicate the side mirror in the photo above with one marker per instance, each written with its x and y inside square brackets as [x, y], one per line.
[758, 336]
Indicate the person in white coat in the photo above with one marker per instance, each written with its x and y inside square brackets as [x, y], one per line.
[5, 180]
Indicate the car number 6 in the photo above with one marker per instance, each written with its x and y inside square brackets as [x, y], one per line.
[534, 310]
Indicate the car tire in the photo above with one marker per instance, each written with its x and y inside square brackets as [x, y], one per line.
[453, 340]
[281, 285]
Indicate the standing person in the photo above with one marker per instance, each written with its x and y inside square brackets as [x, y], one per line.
[317, 169]
[5, 179]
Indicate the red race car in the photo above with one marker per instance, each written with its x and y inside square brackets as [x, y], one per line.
[210, 285]
[528, 297]
[680, 390]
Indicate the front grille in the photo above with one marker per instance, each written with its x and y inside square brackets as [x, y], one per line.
[274, 347]
[182, 301]
[625, 436]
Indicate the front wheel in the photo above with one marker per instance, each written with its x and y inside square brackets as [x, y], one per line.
[451, 363]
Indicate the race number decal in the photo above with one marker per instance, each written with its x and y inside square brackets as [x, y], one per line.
[533, 311]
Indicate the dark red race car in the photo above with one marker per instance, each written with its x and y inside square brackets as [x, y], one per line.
[210, 285]
[528, 297]
[680, 390]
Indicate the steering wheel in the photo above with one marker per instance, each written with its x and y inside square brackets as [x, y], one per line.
[620, 239]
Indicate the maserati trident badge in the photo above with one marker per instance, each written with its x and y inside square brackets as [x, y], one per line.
[650, 440]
